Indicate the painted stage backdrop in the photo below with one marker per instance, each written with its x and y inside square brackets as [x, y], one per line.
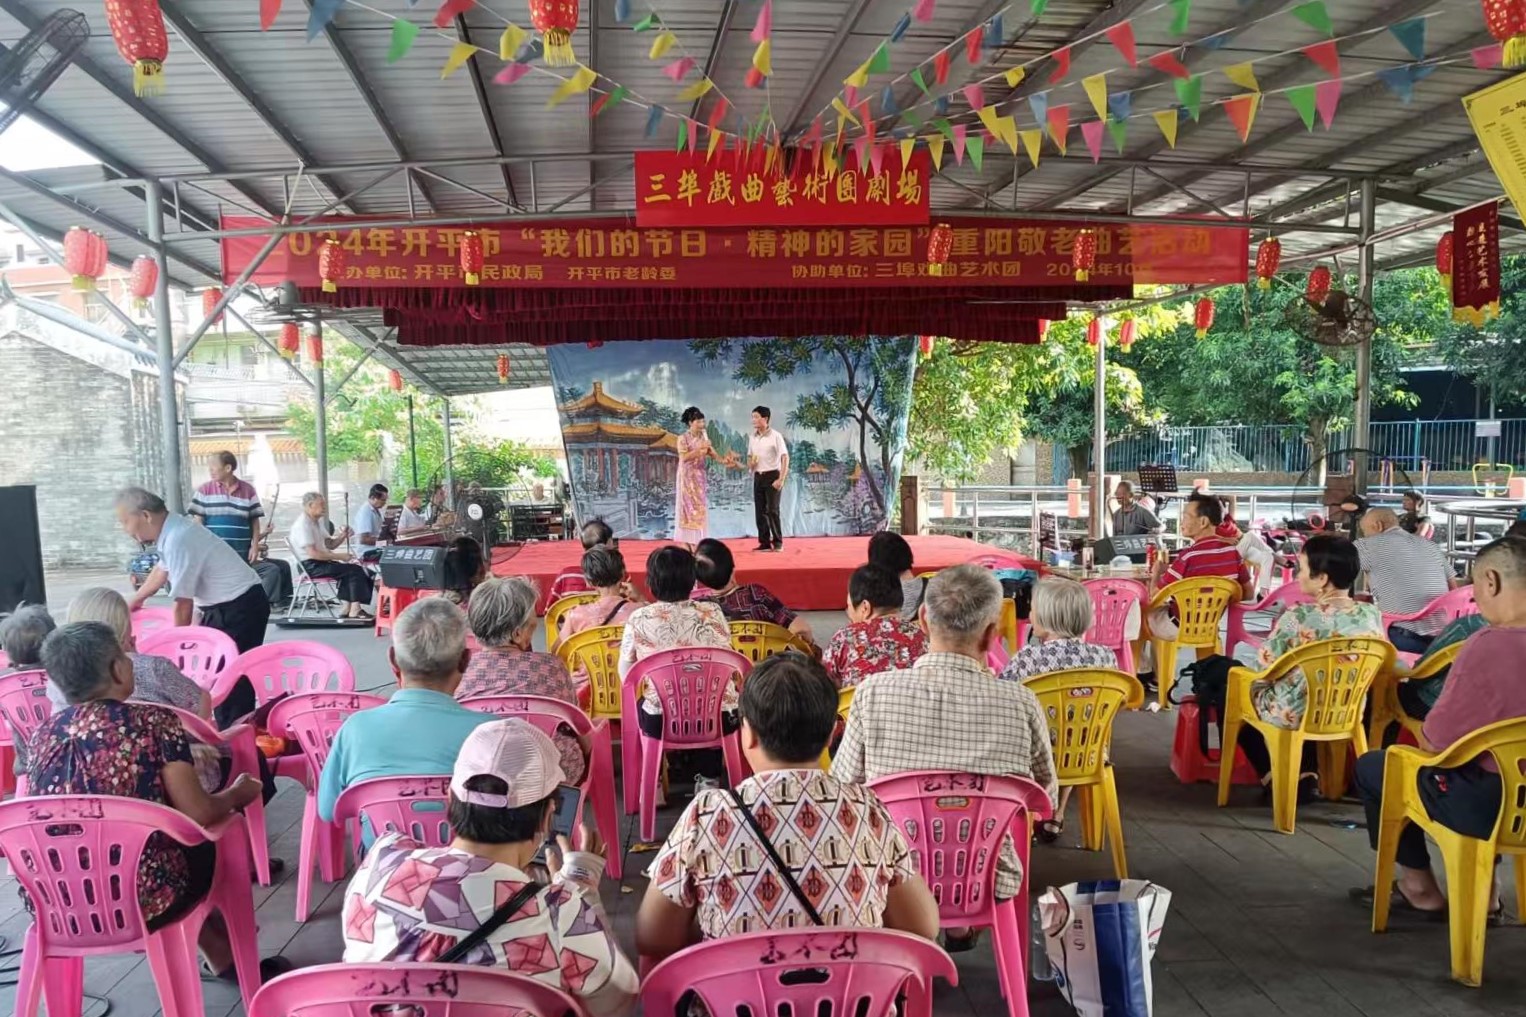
[840, 403]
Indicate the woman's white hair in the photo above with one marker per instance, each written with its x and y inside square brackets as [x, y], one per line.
[1062, 607]
[501, 608]
[104, 605]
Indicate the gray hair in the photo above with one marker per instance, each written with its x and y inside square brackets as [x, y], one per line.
[962, 602]
[136, 499]
[310, 497]
[104, 605]
[428, 640]
[1062, 607]
[22, 633]
[500, 608]
[79, 657]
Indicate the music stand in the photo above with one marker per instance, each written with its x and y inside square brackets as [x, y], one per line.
[1158, 479]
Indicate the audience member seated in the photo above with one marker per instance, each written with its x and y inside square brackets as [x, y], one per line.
[465, 570]
[597, 533]
[21, 636]
[1060, 617]
[100, 743]
[876, 637]
[155, 679]
[502, 617]
[1327, 569]
[1405, 573]
[1132, 519]
[325, 557]
[715, 568]
[1487, 685]
[1417, 697]
[1413, 519]
[673, 621]
[604, 571]
[947, 712]
[420, 729]
[891, 552]
[504, 792]
[411, 520]
[709, 880]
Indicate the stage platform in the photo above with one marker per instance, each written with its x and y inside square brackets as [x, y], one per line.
[810, 574]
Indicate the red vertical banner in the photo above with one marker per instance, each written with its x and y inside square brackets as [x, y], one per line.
[1476, 264]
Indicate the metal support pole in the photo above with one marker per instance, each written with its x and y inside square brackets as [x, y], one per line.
[413, 443]
[366, 355]
[227, 297]
[1494, 442]
[450, 484]
[1099, 439]
[164, 343]
[321, 423]
[1361, 430]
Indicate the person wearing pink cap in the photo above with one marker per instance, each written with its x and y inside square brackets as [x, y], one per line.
[474, 902]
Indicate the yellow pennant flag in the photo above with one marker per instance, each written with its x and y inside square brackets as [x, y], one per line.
[763, 58]
[1166, 121]
[860, 77]
[829, 160]
[935, 147]
[843, 113]
[1015, 76]
[989, 118]
[510, 41]
[710, 147]
[1032, 142]
[581, 81]
[1003, 128]
[460, 53]
[665, 41]
[1096, 91]
[1243, 75]
[696, 90]
[908, 146]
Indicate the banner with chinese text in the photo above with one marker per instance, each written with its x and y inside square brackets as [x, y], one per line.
[1476, 264]
[570, 253]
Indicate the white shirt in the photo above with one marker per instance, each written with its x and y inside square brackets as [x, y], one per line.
[411, 520]
[768, 449]
[307, 533]
[201, 565]
[367, 520]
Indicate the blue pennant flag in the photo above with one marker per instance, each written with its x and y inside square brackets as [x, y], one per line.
[1215, 42]
[653, 120]
[622, 10]
[888, 105]
[1039, 103]
[1411, 35]
[995, 33]
[1120, 105]
[530, 52]
[940, 105]
[322, 13]
[1402, 80]
[900, 28]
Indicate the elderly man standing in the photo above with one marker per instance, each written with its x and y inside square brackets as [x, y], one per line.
[230, 507]
[1132, 519]
[947, 711]
[1405, 572]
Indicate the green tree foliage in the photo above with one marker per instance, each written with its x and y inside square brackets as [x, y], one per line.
[1492, 357]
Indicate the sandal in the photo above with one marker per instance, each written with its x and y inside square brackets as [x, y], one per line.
[1397, 904]
[960, 944]
[1049, 830]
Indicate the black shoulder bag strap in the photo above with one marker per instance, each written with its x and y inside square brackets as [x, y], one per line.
[611, 616]
[773, 856]
[457, 954]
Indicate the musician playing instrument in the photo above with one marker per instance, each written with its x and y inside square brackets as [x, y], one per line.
[230, 507]
[412, 522]
[326, 557]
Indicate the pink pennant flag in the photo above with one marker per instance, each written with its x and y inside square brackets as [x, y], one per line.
[1059, 125]
[1061, 58]
[877, 157]
[1326, 56]
[693, 135]
[1169, 63]
[961, 133]
[1487, 57]
[865, 119]
[1327, 95]
[1091, 131]
[764, 26]
[813, 137]
[975, 96]
[850, 95]
[861, 149]
[679, 68]
[1121, 36]
[923, 11]
[511, 73]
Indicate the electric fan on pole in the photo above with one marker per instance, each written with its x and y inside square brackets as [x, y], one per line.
[31, 66]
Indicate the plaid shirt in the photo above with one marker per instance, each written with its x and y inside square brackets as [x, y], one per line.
[947, 712]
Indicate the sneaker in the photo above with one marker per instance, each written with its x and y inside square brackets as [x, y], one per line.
[762, 547]
[1151, 686]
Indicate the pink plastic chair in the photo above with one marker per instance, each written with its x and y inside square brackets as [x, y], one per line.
[312, 719]
[413, 806]
[77, 858]
[202, 654]
[146, 620]
[598, 785]
[24, 707]
[954, 824]
[1286, 595]
[293, 666]
[1112, 601]
[689, 682]
[1446, 608]
[417, 990]
[244, 755]
[805, 972]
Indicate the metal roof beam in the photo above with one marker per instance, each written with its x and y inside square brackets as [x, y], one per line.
[367, 340]
[1332, 192]
[49, 233]
[717, 43]
[823, 65]
[479, 89]
[1424, 204]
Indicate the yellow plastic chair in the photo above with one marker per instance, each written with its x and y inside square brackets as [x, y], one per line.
[1469, 862]
[758, 641]
[1079, 707]
[1338, 673]
[844, 702]
[1201, 604]
[1007, 626]
[560, 607]
[1386, 708]
[596, 652]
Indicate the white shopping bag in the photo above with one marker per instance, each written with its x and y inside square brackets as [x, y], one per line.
[1100, 938]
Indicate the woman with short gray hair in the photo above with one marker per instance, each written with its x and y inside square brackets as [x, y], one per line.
[22, 633]
[155, 679]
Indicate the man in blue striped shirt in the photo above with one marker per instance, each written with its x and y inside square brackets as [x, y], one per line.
[230, 507]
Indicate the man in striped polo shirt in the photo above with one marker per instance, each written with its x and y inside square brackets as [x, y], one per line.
[1405, 572]
[230, 507]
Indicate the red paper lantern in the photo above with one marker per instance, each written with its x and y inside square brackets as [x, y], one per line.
[556, 20]
[925, 346]
[1127, 333]
[471, 257]
[331, 265]
[395, 380]
[503, 368]
[143, 280]
[1318, 286]
[1094, 332]
[1043, 328]
[209, 299]
[940, 245]
[1083, 255]
[84, 256]
[1444, 259]
[1506, 21]
[1268, 257]
[315, 347]
[137, 26]
[1202, 316]
[291, 340]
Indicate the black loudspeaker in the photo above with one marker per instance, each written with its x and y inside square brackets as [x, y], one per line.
[21, 550]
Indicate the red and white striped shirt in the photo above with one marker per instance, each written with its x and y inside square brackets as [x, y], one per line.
[1207, 556]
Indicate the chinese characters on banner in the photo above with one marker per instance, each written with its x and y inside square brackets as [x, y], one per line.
[1476, 264]
[573, 253]
[732, 189]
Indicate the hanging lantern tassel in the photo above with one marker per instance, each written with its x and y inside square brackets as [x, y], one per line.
[1202, 316]
[940, 244]
[1083, 255]
[1318, 286]
[395, 380]
[331, 265]
[1127, 333]
[291, 340]
[84, 256]
[471, 257]
[556, 20]
[1444, 260]
[1094, 332]
[1268, 257]
[315, 347]
[209, 299]
[143, 281]
[503, 368]
[137, 26]
[1506, 21]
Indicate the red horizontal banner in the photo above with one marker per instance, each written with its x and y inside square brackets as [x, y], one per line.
[573, 253]
[732, 189]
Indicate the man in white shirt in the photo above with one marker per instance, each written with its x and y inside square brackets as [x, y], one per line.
[412, 519]
[768, 458]
[367, 523]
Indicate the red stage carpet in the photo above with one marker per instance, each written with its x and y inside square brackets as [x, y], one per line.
[810, 574]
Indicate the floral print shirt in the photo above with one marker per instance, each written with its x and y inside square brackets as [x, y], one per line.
[883, 643]
[753, 602]
[510, 671]
[1282, 701]
[664, 626]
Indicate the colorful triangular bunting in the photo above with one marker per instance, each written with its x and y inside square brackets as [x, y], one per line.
[679, 69]
[1096, 90]
[879, 63]
[1015, 76]
[1120, 105]
[1061, 58]
[509, 42]
[1032, 142]
[1166, 120]
[935, 143]
[460, 53]
[1302, 100]
[1242, 112]
[1181, 11]
[901, 28]
[940, 66]
[1121, 36]
[1169, 63]
[972, 46]
[1038, 103]
[1059, 126]
[622, 10]
[321, 14]
[581, 81]
[664, 41]
[961, 141]
[696, 90]
[1411, 35]
[1326, 56]
[1091, 133]
[763, 28]
[923, 11]
[977, 149]
[1119, 129]
[1315, 16]
[1190, 94]
[403, 34]
[974, 95]
[653, 120]
[1327, 95]
[1487, 57]
[1243, 75]
[511, 73]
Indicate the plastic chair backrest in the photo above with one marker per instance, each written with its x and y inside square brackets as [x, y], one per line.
[545, 713]
[1287, 595]
[596, 652]
[1506, 742]
[1112, 599]
[758, 641]
[151, 619]
[845, 701]
[1445, 609]
[1080, 706]
[559, 607]
[411, 806]
[568, 582]
[293, 666]
[24, 705]
[690, 682]
[77, 858]
[314, 718]
[1338, 673]
[803, 973]
[1200, 605]
[409, 990]
[954, 824]
[1007, 560]
[201, 653]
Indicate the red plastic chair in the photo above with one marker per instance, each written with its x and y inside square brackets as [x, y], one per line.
[244, 754]
[1446, 608]
[689, 681]
[414, 989]
[24, 707]
[1287, 595]
[805, 972]
[146, 620]
[1191, 764]
[413, 806]
[77, 858]
[598, 787]
[1112, 600]
[312, 719]
[202, 654]
[954, 824]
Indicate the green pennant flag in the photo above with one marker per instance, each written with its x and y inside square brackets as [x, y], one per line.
[647, 23]
[916, 75]
[1315, 16]
[945, 127]
[1180, 11]
[1119, 129]
[683, 135]
[975, 148]
[880, 62]
[1303, 100]
[403, 34]
[1189, 92]
[914, 117]
[614, 97]
[1036, 7]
